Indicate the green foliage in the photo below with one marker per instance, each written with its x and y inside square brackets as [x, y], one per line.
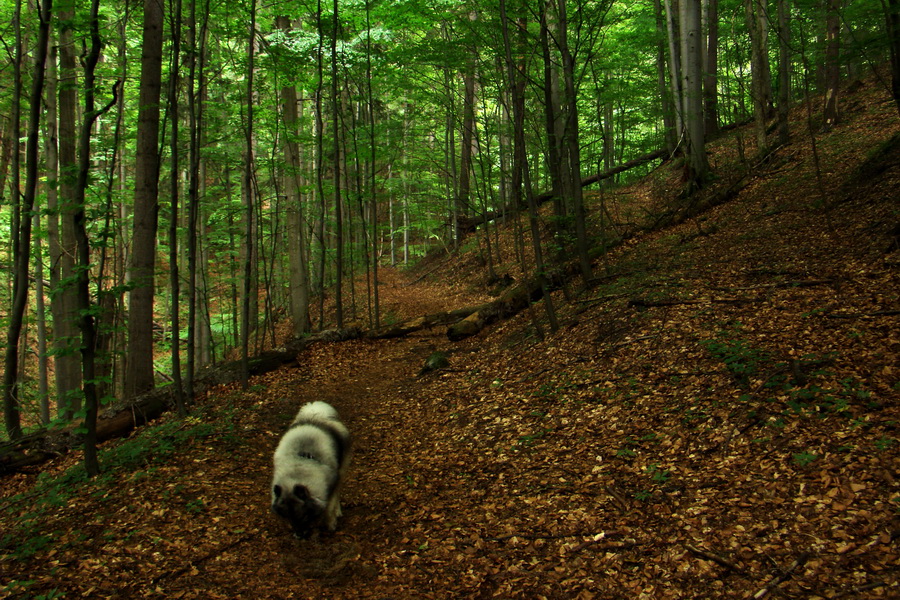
[741, 360]
[658, 475]
[804, 458]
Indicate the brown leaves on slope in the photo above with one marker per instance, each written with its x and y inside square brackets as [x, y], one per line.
[733, 435]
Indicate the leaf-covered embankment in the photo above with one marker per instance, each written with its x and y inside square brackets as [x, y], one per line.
[732, 435]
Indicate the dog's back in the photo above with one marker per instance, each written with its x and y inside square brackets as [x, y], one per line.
[321, 425]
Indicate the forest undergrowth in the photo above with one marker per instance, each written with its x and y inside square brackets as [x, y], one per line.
[717, 417]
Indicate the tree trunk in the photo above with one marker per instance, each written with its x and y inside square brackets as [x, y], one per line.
[139, 369]
[670, 134]
[338, 209]
[463, 198]
[692, 87]
[571, 146]
[892, 25]
[784, 72]
[520, 176]
[832, 67]
[174, 188]
[22, 235]
[710, 69]
[249, 216]
[760, 86]
[675, 59]
[83, 256]
[62, 253]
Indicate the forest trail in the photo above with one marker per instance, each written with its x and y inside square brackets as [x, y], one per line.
[716, 418]
[199, 526]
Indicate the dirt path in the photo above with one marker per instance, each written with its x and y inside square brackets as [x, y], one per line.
[269, 562]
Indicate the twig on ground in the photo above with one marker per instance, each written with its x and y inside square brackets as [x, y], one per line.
[716, 558]
[781, 577]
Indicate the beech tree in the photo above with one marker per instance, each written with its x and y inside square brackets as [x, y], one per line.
[139, 376]
[347, 137]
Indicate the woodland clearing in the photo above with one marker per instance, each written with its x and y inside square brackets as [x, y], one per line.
[717, 417]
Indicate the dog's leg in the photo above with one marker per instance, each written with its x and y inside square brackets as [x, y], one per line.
[332, 512]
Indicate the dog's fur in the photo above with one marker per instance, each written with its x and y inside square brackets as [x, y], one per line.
[310, 463]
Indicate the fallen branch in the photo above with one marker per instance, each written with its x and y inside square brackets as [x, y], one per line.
[469, 224]
[645, 303]
[121, 418]
[778, 284]
[440, 319]
[781, 577]
[716, 558]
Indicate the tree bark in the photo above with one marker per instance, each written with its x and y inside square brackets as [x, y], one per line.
[298, 256]
[832, 68]
[249, 239]
[670, 133]
[710, 69]
[572, 149]
[692, 88]
[174, 216]
[784, 72]
[760, 86]
[62, 248]
[892, 25]
[139, 354]
[22, 234]
[83, 256]
[336, 168]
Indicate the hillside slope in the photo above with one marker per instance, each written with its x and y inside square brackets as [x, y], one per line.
[718, 417]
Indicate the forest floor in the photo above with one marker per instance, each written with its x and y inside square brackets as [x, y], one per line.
[718, 417]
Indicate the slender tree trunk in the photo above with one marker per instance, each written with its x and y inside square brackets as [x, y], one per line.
[832, 67]
[198, 327]
[139, 373]
[338, 211]
[320, 162]
[22, 234]
[250, 201]
[892, 25]
[784, 72]
[86, 315]
[675, 59]
[40, 312]
[761, 78]
[572, 149]
[671, 133]
[372, 166]
[296, 227]
[521, 177]
[552, 110]
[64, 301]
[463, 198]
[174, 186]
[711, 68]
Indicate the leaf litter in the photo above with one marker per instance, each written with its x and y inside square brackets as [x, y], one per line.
[717, 417]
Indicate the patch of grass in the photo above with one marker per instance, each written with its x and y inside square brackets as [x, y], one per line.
[658, 475]
[741, 360]
[804, 458]
[527, 441]
[884, 442]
